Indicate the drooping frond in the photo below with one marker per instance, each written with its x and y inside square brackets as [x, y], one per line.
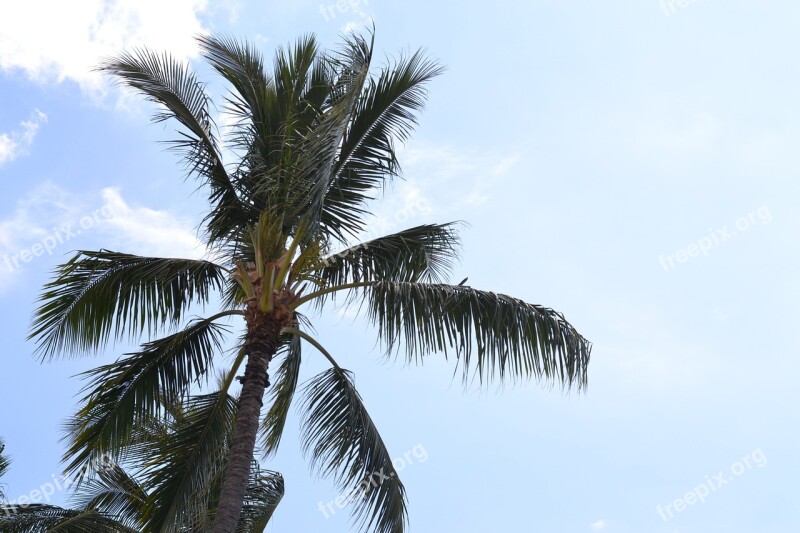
[98, 295]
[423, 253]
[284, 384]
[51, 519]
[343, 442]
[133, 389]
[114, 493]
[243, 67]
[179, 469]
[493, 335]
[263, 494]
[169, 83]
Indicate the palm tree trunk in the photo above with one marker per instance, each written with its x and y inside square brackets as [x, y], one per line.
[261, 344]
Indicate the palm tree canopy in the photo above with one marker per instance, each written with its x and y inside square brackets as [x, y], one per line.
[312, 142]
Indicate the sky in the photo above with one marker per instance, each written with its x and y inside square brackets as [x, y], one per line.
[632, 164]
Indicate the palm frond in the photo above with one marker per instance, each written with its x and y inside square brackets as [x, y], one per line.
[5, 463]
[180, 469]
[166, 81]
[114, 493]
[386, 113]
[252, 104]
[343, 442]
[293, 74]
[97, 295]
[319, 154]
[281, 395]
[51, 519]
[243, 67]
[423, 253]
[264, 492]
[133, 390]
[493, 335]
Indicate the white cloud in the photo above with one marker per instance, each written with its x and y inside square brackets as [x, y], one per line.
[599, 525]
[15, 143]
[52, 222]
[65, 40]
[148, 231]
[34, 214]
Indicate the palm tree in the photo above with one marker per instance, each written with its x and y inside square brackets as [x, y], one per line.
[4, 464]
[312, 142]
[113, 501]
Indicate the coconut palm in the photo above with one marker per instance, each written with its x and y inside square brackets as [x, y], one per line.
[4, 464]
[312, 142]
[107, 499]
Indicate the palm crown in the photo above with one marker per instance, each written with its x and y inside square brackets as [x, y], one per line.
[313, 141]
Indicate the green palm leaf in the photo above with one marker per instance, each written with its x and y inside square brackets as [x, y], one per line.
[493, 335]
[97, 295]
[5, 463]
[52, 519]
[281, 396]
[168, 82]
[265, 490]
[133, 389]
[319, 155]
[343, 442]
[422, 253]
[387, 112]
[114, 493]
[264, 493]
[243, 67]
[180, 469]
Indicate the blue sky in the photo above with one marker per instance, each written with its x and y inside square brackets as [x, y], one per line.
[631, 164]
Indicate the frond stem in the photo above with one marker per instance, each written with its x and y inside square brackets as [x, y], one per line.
[312, 341]
[323, 292]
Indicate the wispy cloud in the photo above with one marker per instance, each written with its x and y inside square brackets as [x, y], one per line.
[69, 41]
[15, 143]
[51, 222]
[599, 525]
[463, 178]
[146, 231]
